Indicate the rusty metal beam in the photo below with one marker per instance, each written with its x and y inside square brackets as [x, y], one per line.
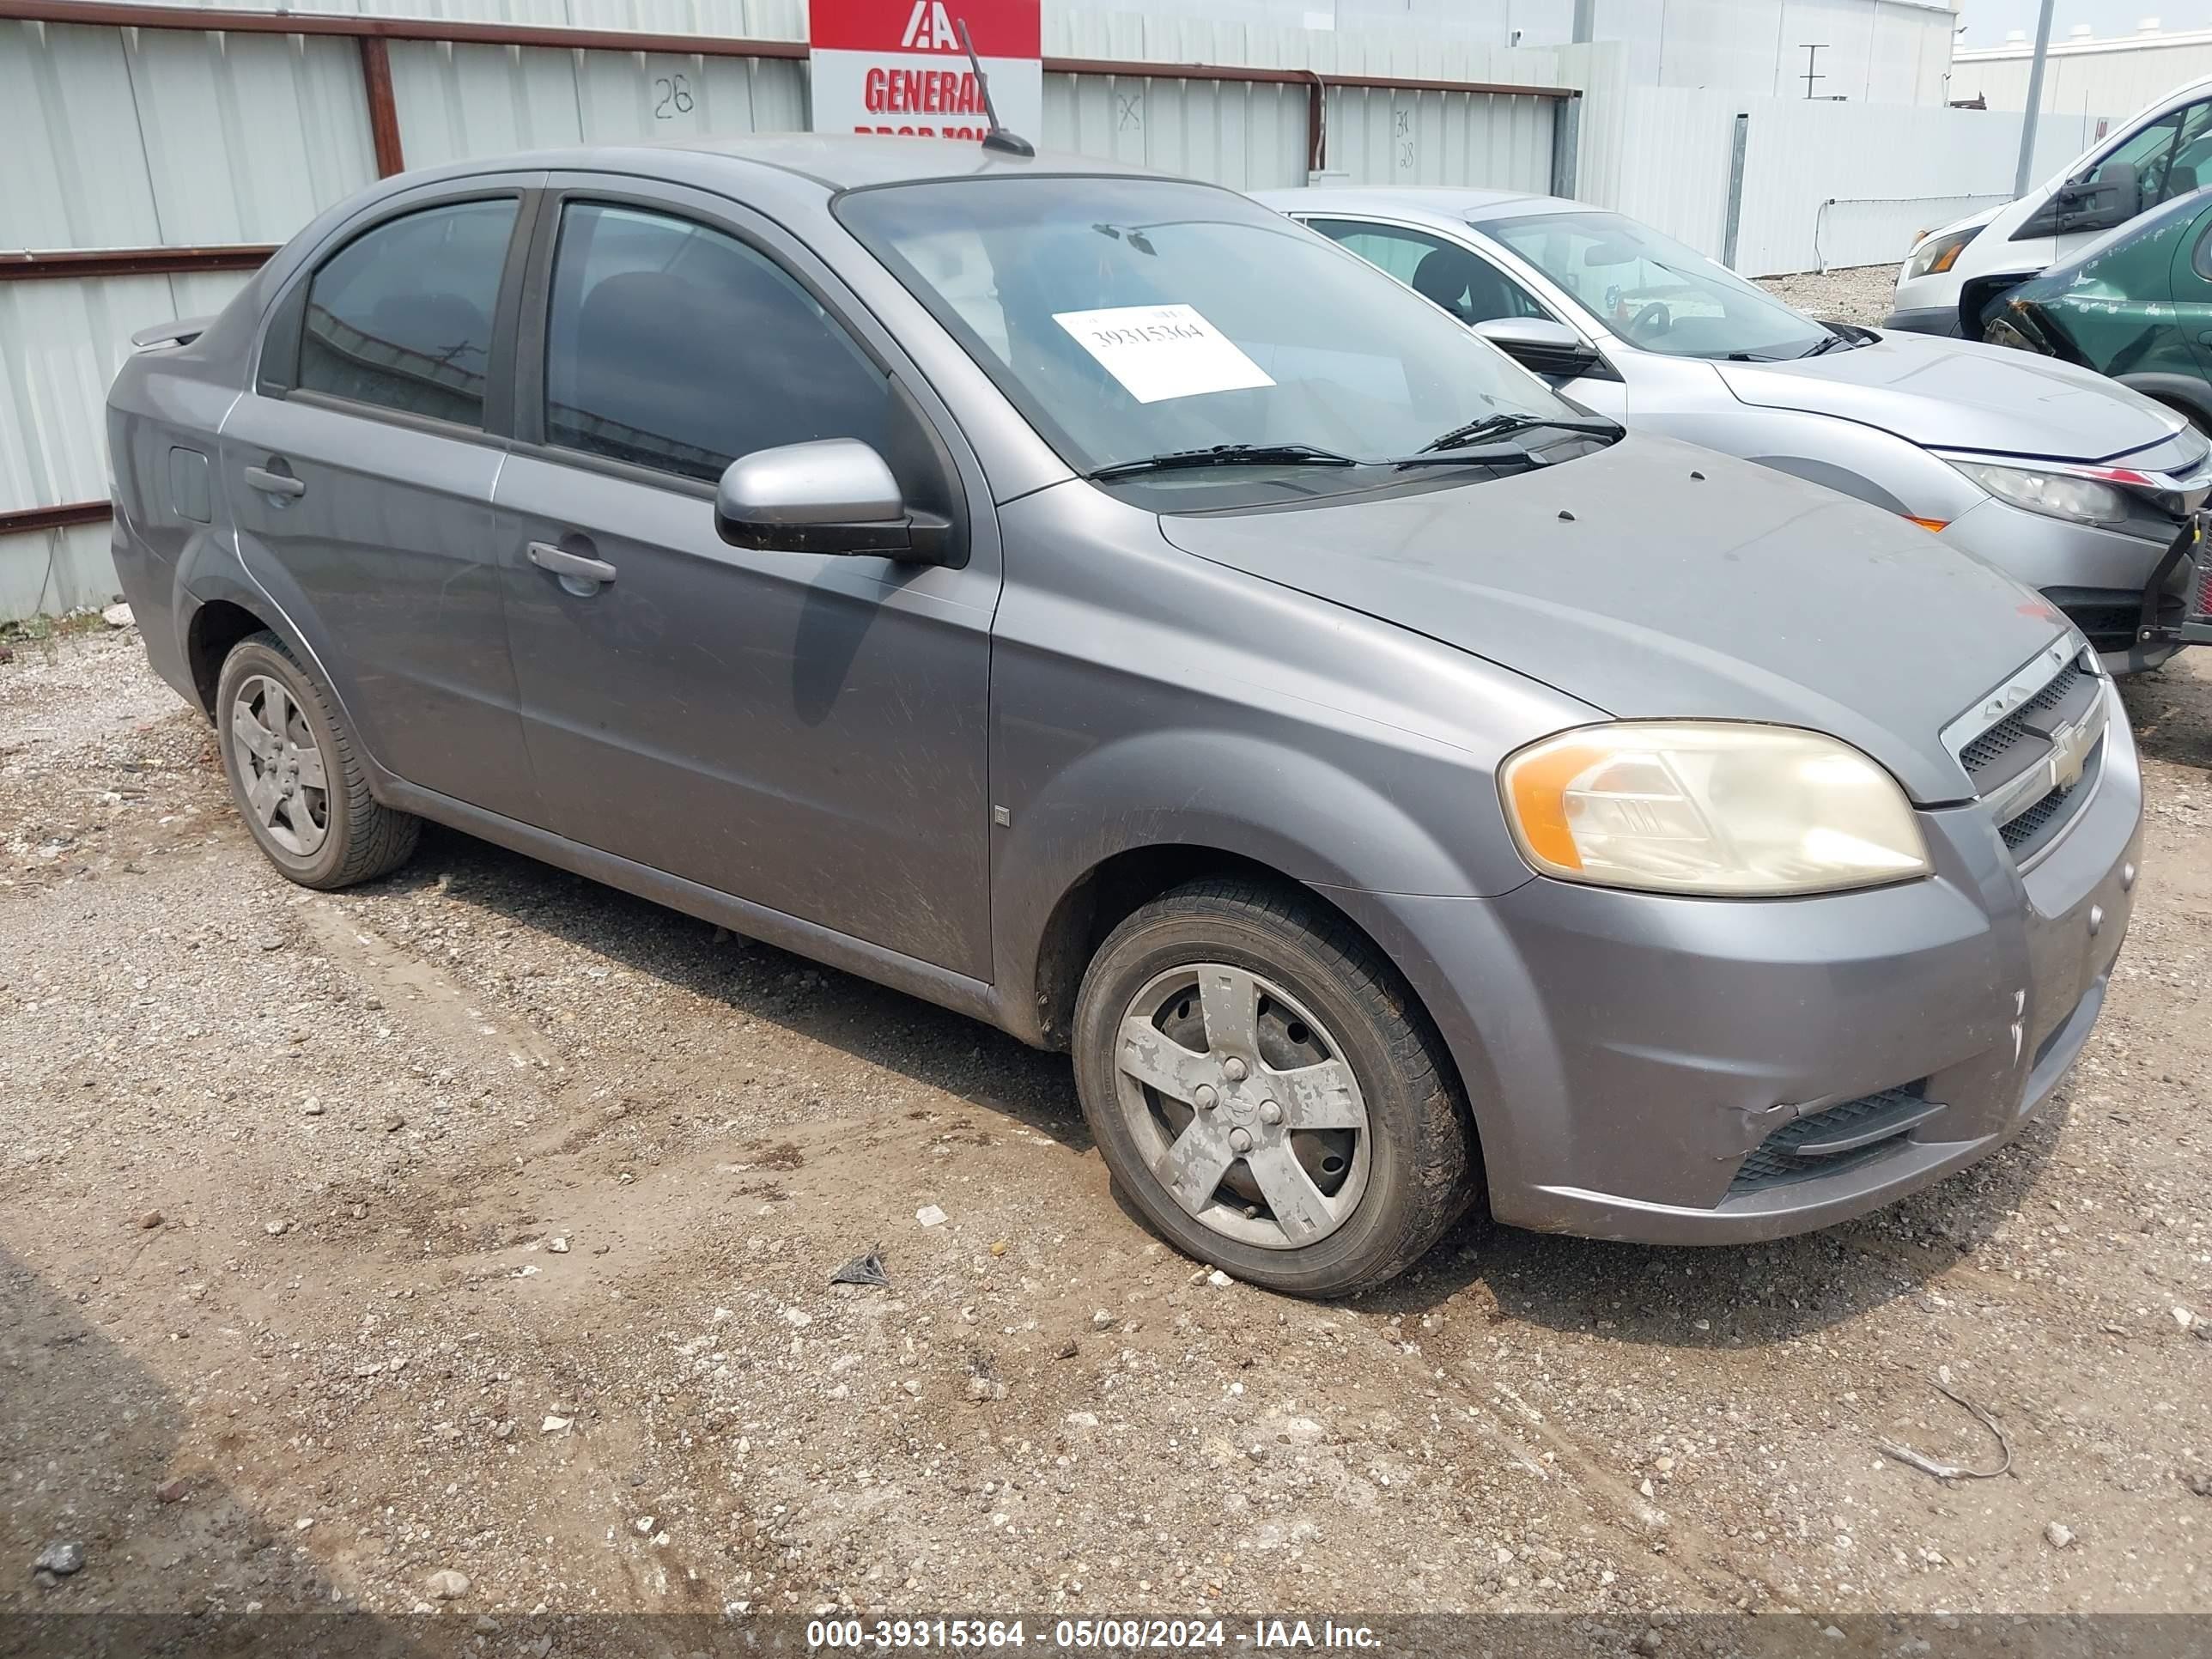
[383, 110]
[22, 521]
[36, 265]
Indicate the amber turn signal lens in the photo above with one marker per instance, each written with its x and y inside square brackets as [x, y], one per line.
[1937, 525]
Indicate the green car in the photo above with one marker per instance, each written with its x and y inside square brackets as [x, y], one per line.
[2136, 305]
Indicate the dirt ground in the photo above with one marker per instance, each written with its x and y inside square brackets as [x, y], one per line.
[480, 1221]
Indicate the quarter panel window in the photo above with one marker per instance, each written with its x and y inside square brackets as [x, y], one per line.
[401, 316]
[673, 346]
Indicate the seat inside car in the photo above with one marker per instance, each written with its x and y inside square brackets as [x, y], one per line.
[1464, 285]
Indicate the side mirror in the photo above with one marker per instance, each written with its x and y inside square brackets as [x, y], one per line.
[2112, 196]
[1539, 345]
[833, 496]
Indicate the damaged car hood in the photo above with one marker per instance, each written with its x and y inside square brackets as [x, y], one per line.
[1627, 580]
[1961, 394]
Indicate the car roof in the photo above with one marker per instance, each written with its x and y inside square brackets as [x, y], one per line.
[834, 161]
[1437, 201]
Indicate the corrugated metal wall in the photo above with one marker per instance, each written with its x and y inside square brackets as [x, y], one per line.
[1825, 184]
[460, 101]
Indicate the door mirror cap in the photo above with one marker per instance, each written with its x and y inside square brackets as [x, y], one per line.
[1539, 345]
[2112, 196]
[832, 496]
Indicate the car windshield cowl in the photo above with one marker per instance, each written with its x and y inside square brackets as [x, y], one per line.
[1146, 326]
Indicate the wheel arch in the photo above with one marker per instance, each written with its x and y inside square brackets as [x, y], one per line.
[1098, 839]
[215, 628]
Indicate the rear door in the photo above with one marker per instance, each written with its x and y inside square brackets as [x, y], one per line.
[808, 732]
[359, 473]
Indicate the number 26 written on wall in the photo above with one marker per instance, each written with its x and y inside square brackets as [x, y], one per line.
[673, 96]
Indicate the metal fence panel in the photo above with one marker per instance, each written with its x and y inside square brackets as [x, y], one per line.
[460, 101]
[135, 138]
[1382, 136]
[1249, 135]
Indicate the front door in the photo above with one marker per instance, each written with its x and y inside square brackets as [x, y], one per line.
[1472, 288]
[807, 732]
[359, 472]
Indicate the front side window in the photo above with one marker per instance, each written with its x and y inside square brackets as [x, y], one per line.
[1464, 283]
[401, 316]
[1652, 291]
[1130, 319]
[673, 346]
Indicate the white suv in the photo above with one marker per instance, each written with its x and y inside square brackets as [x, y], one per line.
[1948, 280]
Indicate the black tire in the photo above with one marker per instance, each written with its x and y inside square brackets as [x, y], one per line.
[1419, 1175]
[362, 839]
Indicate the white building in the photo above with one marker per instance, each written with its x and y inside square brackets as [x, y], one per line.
[2085, 75]
[1876, 51]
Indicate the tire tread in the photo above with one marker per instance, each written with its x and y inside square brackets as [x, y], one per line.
[378, 839]
[1443, 1185]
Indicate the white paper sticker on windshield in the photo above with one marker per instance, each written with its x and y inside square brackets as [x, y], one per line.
[1160, 352]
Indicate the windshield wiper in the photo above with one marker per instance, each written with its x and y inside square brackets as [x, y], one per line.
[1829, 342]
[1499, 426]
[1227, 455]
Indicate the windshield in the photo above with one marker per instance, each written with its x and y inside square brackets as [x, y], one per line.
[1652, 291]
[1130, 319]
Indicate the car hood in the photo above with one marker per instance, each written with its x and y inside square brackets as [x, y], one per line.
[1961, 394]
[1625, 580]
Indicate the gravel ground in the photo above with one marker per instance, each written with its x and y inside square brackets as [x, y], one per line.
[479, 1221]
[1858, 294]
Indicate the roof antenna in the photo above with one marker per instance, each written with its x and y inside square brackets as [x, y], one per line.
[998, 138]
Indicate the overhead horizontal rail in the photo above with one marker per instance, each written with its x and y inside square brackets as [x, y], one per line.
[34, 264]
[24, 520]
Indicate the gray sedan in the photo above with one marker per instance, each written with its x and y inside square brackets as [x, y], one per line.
[2070, 482]
[1091, 601]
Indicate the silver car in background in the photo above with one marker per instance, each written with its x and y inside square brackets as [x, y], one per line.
[2067, 481]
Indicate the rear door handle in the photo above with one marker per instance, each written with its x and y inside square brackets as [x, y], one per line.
[275, 484]
[562, 562]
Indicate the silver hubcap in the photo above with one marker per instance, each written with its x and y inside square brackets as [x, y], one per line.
[1244, 1105]
[280, 766]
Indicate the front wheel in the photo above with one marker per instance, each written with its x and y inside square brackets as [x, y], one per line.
[1264, 1089]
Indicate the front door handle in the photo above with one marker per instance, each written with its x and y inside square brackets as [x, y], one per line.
[275, 484]
[562, 562]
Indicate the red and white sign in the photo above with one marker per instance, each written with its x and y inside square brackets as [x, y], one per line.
[896, 66]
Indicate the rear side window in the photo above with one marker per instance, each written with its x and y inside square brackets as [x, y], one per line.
[401, 317]
[671, 346]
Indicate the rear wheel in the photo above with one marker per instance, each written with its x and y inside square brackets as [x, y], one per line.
[1265, 1091]
[295, 773]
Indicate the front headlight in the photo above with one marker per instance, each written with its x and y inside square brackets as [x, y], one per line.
[2053, 493]
[1719, 807]
[1936, 254]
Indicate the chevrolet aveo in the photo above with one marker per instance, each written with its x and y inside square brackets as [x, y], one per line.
[1088, 600]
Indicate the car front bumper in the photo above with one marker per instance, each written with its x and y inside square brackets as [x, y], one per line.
[2093, 575]
[1627, 1055]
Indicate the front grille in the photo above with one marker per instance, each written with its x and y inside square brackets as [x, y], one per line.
[1883, 1118]
[1982, 756]
[2028, 827]
[2200, 605]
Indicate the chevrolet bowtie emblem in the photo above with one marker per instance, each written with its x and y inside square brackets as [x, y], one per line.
[2069, 753]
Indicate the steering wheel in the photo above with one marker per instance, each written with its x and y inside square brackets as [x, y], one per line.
[1655, 315]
